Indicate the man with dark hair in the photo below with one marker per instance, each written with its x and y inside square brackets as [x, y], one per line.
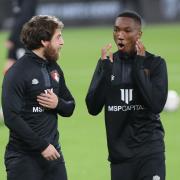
[34, 92]
[132, 85]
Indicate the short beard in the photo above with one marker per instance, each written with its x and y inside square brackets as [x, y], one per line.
[50, 53]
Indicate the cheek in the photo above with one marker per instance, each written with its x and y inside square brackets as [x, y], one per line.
[136, 36]
[115, 36]
[133, 38]
[57, 42]
[54, 47]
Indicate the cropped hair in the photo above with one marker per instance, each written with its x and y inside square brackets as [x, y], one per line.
[131, 14]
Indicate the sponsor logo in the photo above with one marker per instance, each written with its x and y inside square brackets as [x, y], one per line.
[125, 108]
[156, 177]
[55, 75]
[37, 109]
[126, 95]
[35, 81]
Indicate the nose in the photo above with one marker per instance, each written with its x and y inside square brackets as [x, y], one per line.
[61, 41]
[120, 35]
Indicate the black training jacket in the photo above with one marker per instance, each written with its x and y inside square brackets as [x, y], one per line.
[32, 127]
[133, 90]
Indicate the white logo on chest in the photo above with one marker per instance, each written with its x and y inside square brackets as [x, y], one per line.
[37, 109]
[126, 95]
[112, 77]
[35, 81]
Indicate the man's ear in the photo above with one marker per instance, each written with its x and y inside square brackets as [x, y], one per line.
[44, 43]
[139, 34]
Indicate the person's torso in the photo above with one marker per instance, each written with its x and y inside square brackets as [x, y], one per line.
[39, 76]
[129, 123]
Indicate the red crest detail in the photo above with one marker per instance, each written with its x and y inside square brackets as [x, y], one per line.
[55, 75]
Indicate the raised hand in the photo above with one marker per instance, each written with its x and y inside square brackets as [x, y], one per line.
[104, 52]
[140, 48]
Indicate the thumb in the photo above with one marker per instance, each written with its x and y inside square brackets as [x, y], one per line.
[103, 54]
[111, 56]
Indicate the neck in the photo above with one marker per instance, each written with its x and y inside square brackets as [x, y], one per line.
[39, 52]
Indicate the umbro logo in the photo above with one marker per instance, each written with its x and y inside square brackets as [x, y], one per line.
[35, 81]
[112, 77]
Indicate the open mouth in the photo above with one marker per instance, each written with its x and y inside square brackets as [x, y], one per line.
[121, 46]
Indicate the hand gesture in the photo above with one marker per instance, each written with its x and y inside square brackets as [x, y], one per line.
[140, 48]
[104, 52]
[48, 99]
[50, 153]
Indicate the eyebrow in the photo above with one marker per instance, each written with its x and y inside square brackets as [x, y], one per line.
[122, 27]
[127, 27]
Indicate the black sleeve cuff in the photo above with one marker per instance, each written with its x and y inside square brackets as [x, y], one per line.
[65, 108]
[44, 144]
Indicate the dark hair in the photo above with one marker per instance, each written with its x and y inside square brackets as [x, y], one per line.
[39, 28]
[131, 14]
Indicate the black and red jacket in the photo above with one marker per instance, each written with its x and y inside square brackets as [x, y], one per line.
[32, 127]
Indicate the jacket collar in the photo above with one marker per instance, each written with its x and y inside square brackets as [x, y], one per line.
[131, 56]
[36, 58]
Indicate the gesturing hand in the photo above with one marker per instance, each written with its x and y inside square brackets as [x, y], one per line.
[50, 153]
[48, 99]
[104, 52]
[140, 48]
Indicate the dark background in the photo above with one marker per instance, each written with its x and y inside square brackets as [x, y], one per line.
[98, 12]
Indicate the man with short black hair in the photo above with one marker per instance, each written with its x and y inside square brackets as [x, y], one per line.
[34, 92]
[132, 85]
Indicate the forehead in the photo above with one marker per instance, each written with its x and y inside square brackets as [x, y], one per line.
[124, 22]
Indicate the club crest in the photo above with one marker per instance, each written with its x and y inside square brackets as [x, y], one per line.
[55, 75]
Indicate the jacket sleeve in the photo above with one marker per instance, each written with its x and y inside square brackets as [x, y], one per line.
[152, 83]
[66, 103]
[13, 93]
[95, 98]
